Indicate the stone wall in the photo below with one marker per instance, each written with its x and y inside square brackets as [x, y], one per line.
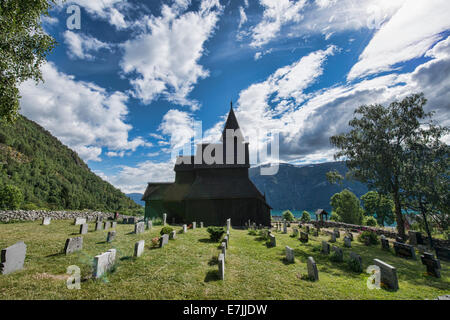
[25, 215]
[386, 233]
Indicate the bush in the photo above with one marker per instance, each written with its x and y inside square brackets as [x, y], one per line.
[335, 217]
[305, 217]
[368, 238]
[166, 230]
[288, 216]
[252, 232]
[264, 234]
[29, 207]
[216, 233]
[10, 197]
[355, 266]
[370, 221]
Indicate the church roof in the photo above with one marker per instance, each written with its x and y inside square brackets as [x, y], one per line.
[231, 123]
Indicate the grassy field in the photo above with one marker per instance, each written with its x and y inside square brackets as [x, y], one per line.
[187, 268]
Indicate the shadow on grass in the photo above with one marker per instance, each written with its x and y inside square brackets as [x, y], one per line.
[213, 261]
[206, 240]
[286, 262]
[212, 275]
[126, 258]
[56, 254]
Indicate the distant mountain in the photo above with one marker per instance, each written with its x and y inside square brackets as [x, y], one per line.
[303, 187]
[136, 197]
[49, 174]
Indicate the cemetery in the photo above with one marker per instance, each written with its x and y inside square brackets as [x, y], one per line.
[190, 265]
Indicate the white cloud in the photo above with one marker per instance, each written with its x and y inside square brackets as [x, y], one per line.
[166, 56]
[414, 28]
[80, 46]
[82, 115]
[242, 16]
[179, 125]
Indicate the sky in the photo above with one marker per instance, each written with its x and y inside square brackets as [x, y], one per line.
[125, 88]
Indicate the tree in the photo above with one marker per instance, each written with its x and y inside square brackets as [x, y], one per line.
[288, 216]
[375, 146]
[379, 206]
[305, 217]
[334, 176]
[347, 207]
[23, 49]
[426, 181]
[334, 217]
[10, 197]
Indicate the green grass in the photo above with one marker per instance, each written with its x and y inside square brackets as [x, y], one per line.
[187, 268]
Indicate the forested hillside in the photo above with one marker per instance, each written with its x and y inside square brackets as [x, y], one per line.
[49, 174]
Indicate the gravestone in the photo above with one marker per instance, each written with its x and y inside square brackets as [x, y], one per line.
[79, 221]
[384, 243]
[325, 247]
[404, 250]
[337, 232]
[139, 248]
[46, 221]
[98, 226]
[347, 242]
[221, 266]
[132, 220]
[433, 265]
[313, 273]
[445, 297]
[124, 221]
[114, 224]
[223, 246]
[99, 219]
[289, 254]
[388, 274]
[226, 241]
[73, 245]
[201, 224]
[149, 224]
[307, 229]
[184, 228]
[163, 240]
[84, 228]
[111, 236]
[303, 237]
[228, 224]
[139, 227]
[356, 257]
[107, 225]
[173, 220]
[339, 253]
[350, 235]
[295, 232]
[415, 238]
[333, 237]
[173, 235]
[164, 218]
[273, 241]
[284, 226]
[194, 225]
[443, 253]
[315, 232]
[13, 258]
[104, 263]
[399, 239]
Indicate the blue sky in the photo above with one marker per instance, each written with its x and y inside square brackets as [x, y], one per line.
[124, 89]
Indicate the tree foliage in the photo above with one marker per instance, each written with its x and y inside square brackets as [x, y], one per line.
[10, 197]
[23, 49]
[288, 216]
[379, 206]
[306, 217]
[376, 145]
[347, 207]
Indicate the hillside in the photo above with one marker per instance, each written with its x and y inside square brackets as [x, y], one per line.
[136, 197]
[50, 174]
[303, 187]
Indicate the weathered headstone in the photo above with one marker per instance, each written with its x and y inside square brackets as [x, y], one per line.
[223, 246]
[325, 247]
[163, 240]
[226, 241]
[84, 228]
[164, 218]
[337, 232]
[433, 265]
[228, 224]
[184, 228]
[221, 266]
[139, 227]
[273, 242]
[388, 274]
[304, 237]
[99, 219]
[307, 229]
[284, 226]
[399, 239]
[443, 253]
[313, 273]
[46, 221]
[289, 254]
[349, 234]
[384, 243]
[415, 238]
[295, 232]
[104, 262]
[132, 220]
[13, 258]
[347, 242]
[111, 236]
[194, 225]
[333, 237]
[173, 235]
[356, 257]
[114, 224]
[139, 248]
[201, 224]
[98, 226]
[79, 221]
[107, 225]
[404, 250]
[339, 253]
[149, 224]
[73, 245]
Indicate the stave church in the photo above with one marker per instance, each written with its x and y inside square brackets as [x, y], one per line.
[211, 186]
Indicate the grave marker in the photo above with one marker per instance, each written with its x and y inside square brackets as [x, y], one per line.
[289, 254]
[325, 247]
[337, 232]
[173, 235]
[443, 253]
[164, 218]
[313, 273]
[356, 257]
[223, 246]
[226, 241]
[184, 228]
[273, 241]
[194, 225]
[228, 224]
[46, 221]
[104, 263]
[114, 224]
[388, 274]
[339, 253]
[333, 237]
[384, 243]
[139, 227]
[79, 221]
[84, 228]
[73, 245]
[149, 224]
[13, 258]
[221, 266]
[304, 237]
[111, 236]
[201, 224]
[347, 242]
[433, 265]
[107, 225]
[284, 226]
[98, 226]
[163, 240]
[139, 248]
[404, 250]
[415, 238]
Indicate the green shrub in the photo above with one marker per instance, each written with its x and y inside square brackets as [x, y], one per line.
[305, 217]
[166, 230]
[252, 232]
[370, 221]
[354, 265]
[264, 234]
[335, 217]
[288, 216]
[368, 238]
[216, 233]
[157, 221]
[317, 248]
[29, 207]
[10, 197]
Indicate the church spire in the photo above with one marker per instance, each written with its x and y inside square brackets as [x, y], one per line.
[231, 122]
